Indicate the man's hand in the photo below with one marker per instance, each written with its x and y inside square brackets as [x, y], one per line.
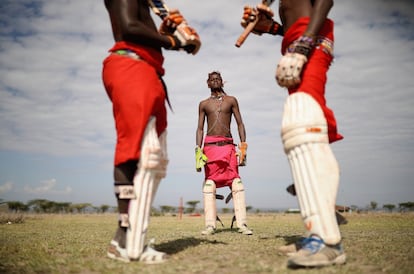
[170, 23]
[290, 67]
[201, 158]
[188, 37]
[242, 153]
[265, 22]
[182, 36]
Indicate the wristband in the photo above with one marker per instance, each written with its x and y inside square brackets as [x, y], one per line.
[276, 29]
[307, 39]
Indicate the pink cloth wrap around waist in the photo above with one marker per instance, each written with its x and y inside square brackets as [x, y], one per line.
[222, 166]
[314, 74]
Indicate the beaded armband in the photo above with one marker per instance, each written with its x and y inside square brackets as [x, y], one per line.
[326, 45]
[303, 45]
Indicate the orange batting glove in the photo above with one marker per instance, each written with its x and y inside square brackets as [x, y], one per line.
[242, 153]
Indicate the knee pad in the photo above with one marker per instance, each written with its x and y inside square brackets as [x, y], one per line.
[314, 167]
[237, 187]
[239, 201]
[303, 121]
[151, 169]
[209, 187]
[209, 197]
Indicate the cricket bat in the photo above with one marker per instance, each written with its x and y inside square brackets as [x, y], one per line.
[183, 30]
[250, 26]
[159, 8]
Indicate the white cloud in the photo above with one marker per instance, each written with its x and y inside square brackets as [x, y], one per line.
[47, 187]
[6, 187]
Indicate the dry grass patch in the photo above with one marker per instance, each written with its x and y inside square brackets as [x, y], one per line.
[374, 243]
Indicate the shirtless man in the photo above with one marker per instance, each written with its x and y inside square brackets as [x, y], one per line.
[132, 79]
[308, 125]
[219, 154]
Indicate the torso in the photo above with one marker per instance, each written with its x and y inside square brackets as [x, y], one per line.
[218, 111]
[140, 13]
[292, 10]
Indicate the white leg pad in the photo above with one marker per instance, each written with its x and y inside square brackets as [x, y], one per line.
[313, 165]
[239, 202]
[152, 168]
[209, 196]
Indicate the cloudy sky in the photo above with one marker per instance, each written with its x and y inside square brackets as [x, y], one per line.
[56, 127]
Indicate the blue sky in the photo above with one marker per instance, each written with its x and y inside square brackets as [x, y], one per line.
[57, 133]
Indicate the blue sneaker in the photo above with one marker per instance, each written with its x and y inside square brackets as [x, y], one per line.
[315, 253]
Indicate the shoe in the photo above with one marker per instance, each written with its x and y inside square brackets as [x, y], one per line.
[117, 253]
[293, 248]
[152, 256]
[315, 253]
[245, 230]
[209, 230]
[290, 249]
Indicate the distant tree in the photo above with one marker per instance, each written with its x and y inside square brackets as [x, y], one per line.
[248, 208]
[225, 210]
[192, 206]
[104, 208]
[17, 206]
[406, 206]
[40, 205]
[354, 208]
[80, 208]
[167, 209]
[155, 212]
[390, 207]
[61, 207]
[373, 205]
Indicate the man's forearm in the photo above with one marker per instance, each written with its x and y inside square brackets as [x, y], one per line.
[242, 133]
[199, 137]
[320, 12]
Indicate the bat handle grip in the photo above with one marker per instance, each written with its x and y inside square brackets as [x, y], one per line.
[246, 32]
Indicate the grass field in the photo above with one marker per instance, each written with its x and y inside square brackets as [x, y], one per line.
[374, 243]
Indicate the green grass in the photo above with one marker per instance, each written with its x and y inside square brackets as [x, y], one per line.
[374, 243]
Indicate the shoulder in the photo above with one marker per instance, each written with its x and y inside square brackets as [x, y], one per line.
[204, 102]
[231, 98]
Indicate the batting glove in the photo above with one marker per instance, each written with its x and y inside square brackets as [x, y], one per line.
[181, 35]
[242, 153]
[201, 158]
[170, 23]
[265, 22]
[290, 67]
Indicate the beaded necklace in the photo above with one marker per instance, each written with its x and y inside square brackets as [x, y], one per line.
[219, 99]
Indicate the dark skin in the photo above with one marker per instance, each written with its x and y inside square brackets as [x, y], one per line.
[218, 123]
[317, 10]
[132, 22]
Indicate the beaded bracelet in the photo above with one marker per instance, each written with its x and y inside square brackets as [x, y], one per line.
[303, 45]
[306, 39]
